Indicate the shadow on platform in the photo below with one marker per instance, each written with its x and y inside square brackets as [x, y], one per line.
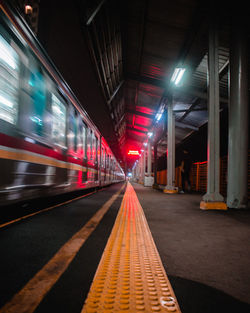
[194, 297]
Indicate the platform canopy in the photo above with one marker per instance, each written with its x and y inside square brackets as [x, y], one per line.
[137, 46]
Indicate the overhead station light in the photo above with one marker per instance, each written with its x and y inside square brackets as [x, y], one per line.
[158, 116]
[150, 134]
[178, 74]
[160, 113]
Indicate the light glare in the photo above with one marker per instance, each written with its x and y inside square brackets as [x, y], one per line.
[5, 101]
[6, 53]
[177, 76]
[158, 116]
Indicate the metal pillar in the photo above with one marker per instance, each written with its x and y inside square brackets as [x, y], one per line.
[133, 173]
[149, 180]
[149, 159]
[141, 176]
[144, 167]
[155, 185]
[213, 199]
[140, 169]
[170, 188]
[238, 118]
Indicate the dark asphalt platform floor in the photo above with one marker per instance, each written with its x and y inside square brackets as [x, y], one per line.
[206, 254]
[28, 245]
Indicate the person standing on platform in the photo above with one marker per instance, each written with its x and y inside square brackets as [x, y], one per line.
[186, 164]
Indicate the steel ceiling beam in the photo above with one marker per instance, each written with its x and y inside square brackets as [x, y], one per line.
[136, 130]
[199, 93]
[140, 125]
[146, 80]
[94, 12]
[223, 71]
[134, 137]
[185, 110]
[186, 126]
[115, 92]
[150, 116]
[197, 100]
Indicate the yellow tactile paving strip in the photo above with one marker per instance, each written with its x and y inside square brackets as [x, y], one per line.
[130, 276]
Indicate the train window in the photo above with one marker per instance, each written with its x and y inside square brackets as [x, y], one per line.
[9, 82]
[90, 144]
[80, 140]
[83, 141]
[72, 135]
[38, 98]
[93, 146]
[58, 121]
[96, 148]
[102, 160]
[84, 138]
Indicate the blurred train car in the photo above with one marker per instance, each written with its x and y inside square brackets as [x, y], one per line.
[48, 143]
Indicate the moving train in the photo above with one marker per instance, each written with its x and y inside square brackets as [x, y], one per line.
[48, 143]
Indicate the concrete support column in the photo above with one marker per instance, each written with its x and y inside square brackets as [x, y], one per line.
[134, 173]
[141, 169]
[143, 166]
[155, 185]
[149, 180]
[170, 188]
[149, 159]
[238, 117]
[213, 199]
[138, 171]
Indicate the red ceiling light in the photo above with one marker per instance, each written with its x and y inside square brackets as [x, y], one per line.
[133, 152]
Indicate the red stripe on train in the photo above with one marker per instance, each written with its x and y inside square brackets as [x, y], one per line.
[20, 143]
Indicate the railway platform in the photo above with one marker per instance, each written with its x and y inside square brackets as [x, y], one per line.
[127, 248]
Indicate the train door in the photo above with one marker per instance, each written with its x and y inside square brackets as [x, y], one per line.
[95, 156]
[58, 109]
[105, 166]
[83, 140]
[72, 146]
[100, 160]
[102, 165]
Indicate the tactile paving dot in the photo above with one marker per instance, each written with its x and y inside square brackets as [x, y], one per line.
[156, 308]
[139, 302]
[124, 307]
[155, 303]
[109, 301]
[93, 305]
[140, 307]
[138, 297]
